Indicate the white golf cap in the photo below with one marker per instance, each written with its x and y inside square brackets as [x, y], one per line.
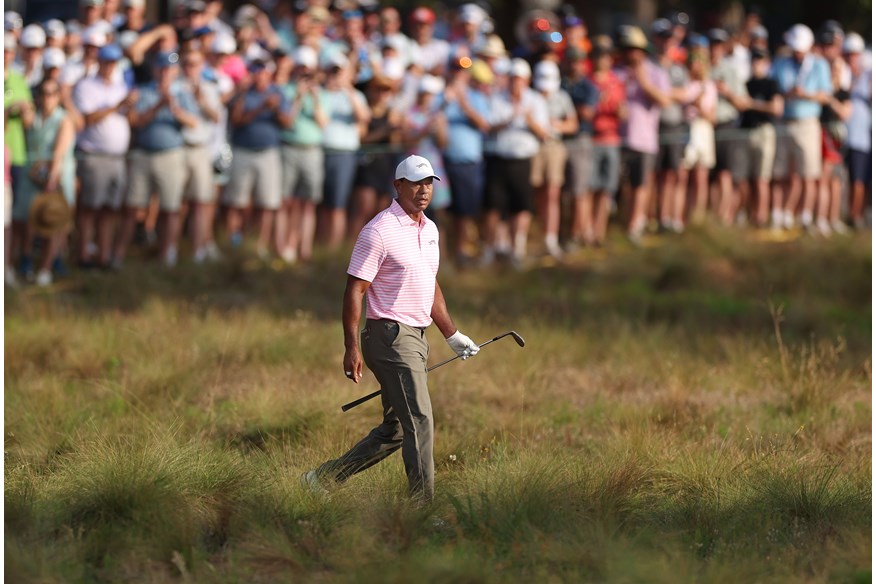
[12, 20]
[472, 14]
[305, 56]
[53, 58]
[55, 29]
[853, 44]
[224, 44]
[547, 77]
[33, 37]
[336, 58]
[135, 3]
[520, 68]
[800, 38]
[94, 37]
[414, 168]
[431, 84]
[128, 38]
[9, 42]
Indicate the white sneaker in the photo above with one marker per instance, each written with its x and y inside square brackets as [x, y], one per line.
[213, 253]
[43, 278]
[823, 228]
[554, 250]
[289, 255]
[788, 220]
[777, 219]
[806, 218]
[170, 257]
[9, 279]
[310, 481]
[200, 256]
[839, 227]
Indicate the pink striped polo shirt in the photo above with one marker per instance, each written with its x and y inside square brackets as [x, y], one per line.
[400, 258]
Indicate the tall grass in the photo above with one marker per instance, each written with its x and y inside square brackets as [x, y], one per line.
[694, 412]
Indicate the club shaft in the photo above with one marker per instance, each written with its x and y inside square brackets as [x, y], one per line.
[371, 396]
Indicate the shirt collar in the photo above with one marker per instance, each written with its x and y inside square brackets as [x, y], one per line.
[401, 215]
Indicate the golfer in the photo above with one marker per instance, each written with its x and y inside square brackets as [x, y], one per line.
[394, 266]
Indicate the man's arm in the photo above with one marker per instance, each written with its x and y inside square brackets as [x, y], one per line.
[440, 315]
[352, 313]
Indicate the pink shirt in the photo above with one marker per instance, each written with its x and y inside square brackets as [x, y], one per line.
[707, 104]
[400, 258]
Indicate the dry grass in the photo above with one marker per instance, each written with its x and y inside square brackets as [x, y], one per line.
[699, 411]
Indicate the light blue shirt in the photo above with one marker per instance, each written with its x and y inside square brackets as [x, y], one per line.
[342, 131]
[860, 124]
[264, 131]
[465, 143]
[812, 75]
[164, 132]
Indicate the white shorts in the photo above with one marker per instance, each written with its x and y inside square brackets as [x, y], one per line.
[700, 149]
[162, 173]
[200, 187]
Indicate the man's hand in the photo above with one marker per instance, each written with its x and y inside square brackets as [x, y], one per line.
[462, 345]
[353, 364]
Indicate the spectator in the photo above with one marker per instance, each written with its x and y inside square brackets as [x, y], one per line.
[259, 112]
[549, 164]
[731, 99]
[471, 18]
[87, 64]
[674, 130]
[134, 18]
[13, 23]
[56, 34]
[303, 159]
[829, 44]
[103, 101]
[701, 101]
[348, 118]
[372, 189]
[424, 133]
[91, 16]
[468, 112]
[433, 53]
[199, 153]
[647, 91]
[158, 160]
[18, 110]
[9, 279]
[32, 43]
[607, 118]
[834, 133]
[521, 121]
[759, 121]
[858, 158]
[804, 80]
[51, 137]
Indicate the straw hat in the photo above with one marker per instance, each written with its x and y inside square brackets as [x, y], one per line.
[49, 214]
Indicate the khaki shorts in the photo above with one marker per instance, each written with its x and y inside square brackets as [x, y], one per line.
[303, 172]
[799, 148]
[761, 154]
[549, 165]
[255, 177]
[700, 149]
[162, 173]
[102, 180]
[200, 187]
[580, 168]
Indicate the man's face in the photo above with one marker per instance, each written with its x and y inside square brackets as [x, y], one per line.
[192, 65]
[414, 197]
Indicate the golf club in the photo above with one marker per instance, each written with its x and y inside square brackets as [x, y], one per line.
[517, 338]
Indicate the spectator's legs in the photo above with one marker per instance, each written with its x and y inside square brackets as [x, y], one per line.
[520, 232]
[700, 181]
[364, 209]
[583, 222]
[551, 194]
[856, 208]
[301, 229]
[308, 229]
[762, 201]
[234, 224]
[168, 238]
[126, 234]
[668, 181]
[680, 202]
[780, 187]
[600, 216]
[266, 224]
[727, 197]
[795, 187]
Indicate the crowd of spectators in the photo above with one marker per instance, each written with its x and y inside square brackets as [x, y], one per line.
[286, 127]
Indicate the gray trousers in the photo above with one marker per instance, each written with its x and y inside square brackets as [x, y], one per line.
[396, 354]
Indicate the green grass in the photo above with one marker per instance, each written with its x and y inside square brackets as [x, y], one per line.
[695, 411]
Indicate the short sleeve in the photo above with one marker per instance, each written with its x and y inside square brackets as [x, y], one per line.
[368, 255]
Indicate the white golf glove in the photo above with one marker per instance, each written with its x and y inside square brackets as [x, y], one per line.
[462, 345]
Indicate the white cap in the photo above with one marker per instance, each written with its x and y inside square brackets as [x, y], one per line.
[135, 3]
[431, 84]
[520, 68]
[74, 27]
[55, 29]
[224, 44]
[12, 20]
[53, 58]
[9, 42]
[336, 59]
[800, 38]
[414, 168]
[547, 77]
[128, 38]
[305, 56]
[502, 66]
[33, 37]
[94, 36]
[472, 14]
[853, 44]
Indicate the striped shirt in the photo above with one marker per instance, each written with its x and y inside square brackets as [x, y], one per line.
[400, 258]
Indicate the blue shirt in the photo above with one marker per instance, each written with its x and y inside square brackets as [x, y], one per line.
[342, 131]
[584, 92]
[164, 132]
[264, 131]
[812, 75]
[860, 124]
[465, 143]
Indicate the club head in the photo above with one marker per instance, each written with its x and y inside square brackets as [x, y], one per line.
[518, 339]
